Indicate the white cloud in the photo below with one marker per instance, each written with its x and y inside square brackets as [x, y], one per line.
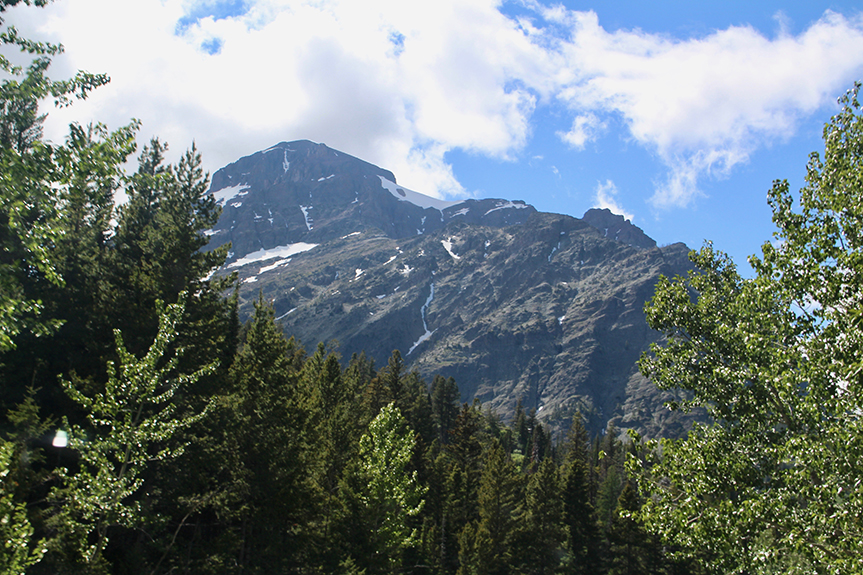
[605, 199]
[703, 104]
[585, 128]
[400, 84]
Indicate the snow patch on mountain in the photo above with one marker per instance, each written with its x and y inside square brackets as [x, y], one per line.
[225, 194]
[503, 205]
[415, 198]
[447, 245]
[553, 250]
[309, 220]
[274, 266]
[284, 315]
[272, 253]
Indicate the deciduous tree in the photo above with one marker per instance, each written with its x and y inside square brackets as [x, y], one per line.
[778, 362]
[132, 422]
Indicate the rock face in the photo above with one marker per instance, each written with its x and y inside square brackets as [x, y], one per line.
[513, 303]
[616, 227]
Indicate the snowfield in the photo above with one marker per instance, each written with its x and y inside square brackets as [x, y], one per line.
[415, 198]
[272, 253]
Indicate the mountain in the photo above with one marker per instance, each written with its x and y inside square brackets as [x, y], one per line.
[513, 303]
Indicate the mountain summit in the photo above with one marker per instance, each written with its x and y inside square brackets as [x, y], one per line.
[305, 192]
[515, 304]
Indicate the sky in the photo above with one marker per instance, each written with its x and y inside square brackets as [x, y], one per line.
[677, 114]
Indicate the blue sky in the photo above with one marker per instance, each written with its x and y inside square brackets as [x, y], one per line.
[677, 114]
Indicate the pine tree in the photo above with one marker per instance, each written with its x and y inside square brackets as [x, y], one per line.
[578, 512]
[610, 477]
[460, 465]
[415, 404]
[160, 236]
[630, 551]
[491, 551]
[541, 532]
[445, 405]
[268, 434]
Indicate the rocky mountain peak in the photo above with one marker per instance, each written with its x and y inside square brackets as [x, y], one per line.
[617, 227]
[303, 192]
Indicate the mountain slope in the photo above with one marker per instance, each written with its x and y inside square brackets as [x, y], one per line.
[513, 303]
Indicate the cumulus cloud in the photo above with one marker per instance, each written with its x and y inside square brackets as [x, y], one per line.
[703, 104]
[605, 199]
[402, 84]
[396, 85]
[585, 128]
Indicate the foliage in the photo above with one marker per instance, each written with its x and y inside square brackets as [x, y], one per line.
[582, 533]
[28, 167]
[266, 449]
[134, 419]
[272, 461]
[19, 551]
[777, 362]
[383, 491]
[542, 530]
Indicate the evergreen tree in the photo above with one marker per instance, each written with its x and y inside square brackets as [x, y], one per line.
[329, 399]
[630, 545]
[521, 431]
[463, 456]
[268, 433]
[491, 551]
[541, 532]
[578, 512]
[540, 446]
[610, 475]
[415, 405]
[445, 405]
[160, 234]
